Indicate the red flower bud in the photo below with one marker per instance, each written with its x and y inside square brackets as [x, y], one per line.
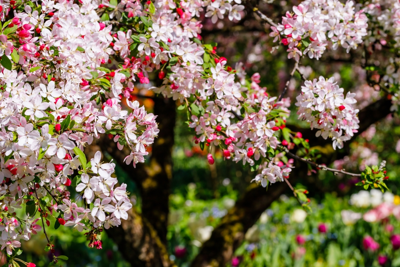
[226, 153]
[58, 127]
[161, 75]
[58, 167]
[61, 221]
[342, 108]
[179, 11]
[218, 128]
[275, 128]
[68, 182]
[250, 152]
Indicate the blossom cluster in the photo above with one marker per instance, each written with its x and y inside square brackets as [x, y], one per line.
[54, 101]
[316, 25]
[323, 104]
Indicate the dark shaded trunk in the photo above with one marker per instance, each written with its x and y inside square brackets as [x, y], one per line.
[142, 239]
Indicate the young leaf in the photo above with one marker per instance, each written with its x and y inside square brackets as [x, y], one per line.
[30, 208]
[195, 109]
[10, 30]
[15, 56]
[95, 74]
[34, 69]
[81, 156]
[62, 257]
[206, 57]
[152, 8]
[41, 153]
[65, 123]
[6, 62]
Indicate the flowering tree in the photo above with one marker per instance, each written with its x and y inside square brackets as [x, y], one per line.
[67, 68]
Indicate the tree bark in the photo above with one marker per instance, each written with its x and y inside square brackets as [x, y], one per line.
[142, 239]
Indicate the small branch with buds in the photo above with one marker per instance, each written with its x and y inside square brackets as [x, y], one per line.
[318, 166]
[41, 216]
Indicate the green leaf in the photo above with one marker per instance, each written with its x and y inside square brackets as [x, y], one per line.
[182, 107]
[202, 145]
[196, 40]
[10, 30]
[135, 38]
[51, 129]
[6, 62]
[195, 109]
[80, 49]
[95, 74]
[145, 21]
[6, 23]
[62, 257]
[65, 123]
[152, 8]
[173, 60]
[34, 69]
[57, 225]
[41, 153]
[285, 133]
[106, 83]
[30, 208]
[114, 2]
[206, 57]
[71, 125]
[305, 43]
[126, 73]
[103, 69]
[81, 156]
[105, 17]
[15, 56]
[209, 47]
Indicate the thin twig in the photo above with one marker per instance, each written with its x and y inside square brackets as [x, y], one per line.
[51, 194]
[296, 66]
[264, 17]
[323, 167]
[41, 216]
[291, 188]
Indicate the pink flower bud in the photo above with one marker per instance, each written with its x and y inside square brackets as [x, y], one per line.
[210, 159]
[300, 239]
[180, 252]
[109, 102]
[322, 228]
[395, 239]
[382, 260]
